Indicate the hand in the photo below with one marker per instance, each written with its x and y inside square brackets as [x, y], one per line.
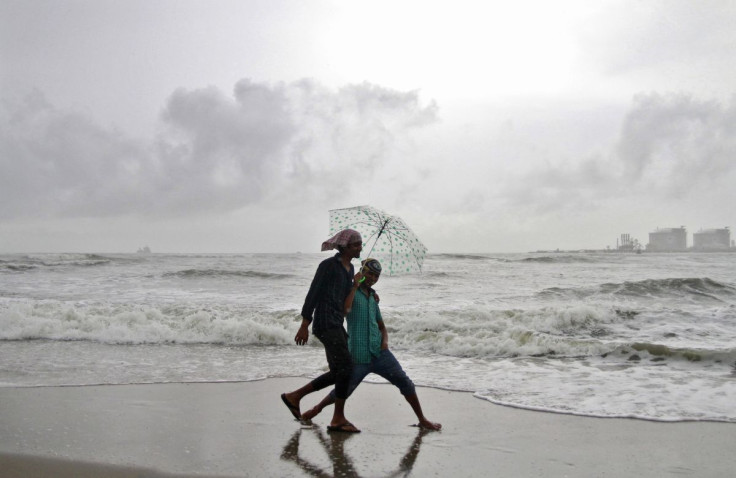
[357, 279]
[302, 336]
[384, 345]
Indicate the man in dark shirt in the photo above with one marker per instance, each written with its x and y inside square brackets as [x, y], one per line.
[324, 308]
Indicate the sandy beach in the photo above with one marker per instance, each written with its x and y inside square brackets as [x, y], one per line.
[243, 429]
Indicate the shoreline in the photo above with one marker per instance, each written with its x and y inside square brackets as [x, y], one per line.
[243, 429]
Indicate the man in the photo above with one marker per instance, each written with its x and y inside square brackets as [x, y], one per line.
[324, 309]
[368, 344]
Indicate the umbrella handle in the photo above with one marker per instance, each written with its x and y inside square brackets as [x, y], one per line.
[383, 226]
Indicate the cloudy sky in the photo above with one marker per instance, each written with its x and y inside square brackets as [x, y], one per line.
[234, 126]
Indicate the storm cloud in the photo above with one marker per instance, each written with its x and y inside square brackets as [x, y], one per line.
[215, 151]
[677, 143]
[670, 147]
[561, 125]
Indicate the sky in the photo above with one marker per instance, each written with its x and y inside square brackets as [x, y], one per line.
[235, 126]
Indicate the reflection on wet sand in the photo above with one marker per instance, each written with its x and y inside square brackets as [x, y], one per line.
[334, 445]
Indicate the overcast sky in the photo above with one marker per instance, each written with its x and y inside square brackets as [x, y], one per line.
[234, 126]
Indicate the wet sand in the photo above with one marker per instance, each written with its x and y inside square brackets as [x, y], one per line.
[243, 429]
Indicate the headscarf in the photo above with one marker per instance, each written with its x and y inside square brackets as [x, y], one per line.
[372, 265]
[342, 239]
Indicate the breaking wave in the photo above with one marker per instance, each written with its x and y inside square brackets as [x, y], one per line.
[472, 332]
[138, 324]
[472, 257]
[693, 288]
[215, 273]
[561, 259]
[697, 287]
[30, 262]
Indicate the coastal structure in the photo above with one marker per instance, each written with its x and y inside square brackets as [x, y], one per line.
[627, 244]
[671, 239]
[712, 239]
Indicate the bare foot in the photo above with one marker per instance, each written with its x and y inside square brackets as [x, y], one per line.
[311, 413]
[427, 425]
[345, 427]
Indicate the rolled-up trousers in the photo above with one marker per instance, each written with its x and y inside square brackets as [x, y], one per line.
[335, 342]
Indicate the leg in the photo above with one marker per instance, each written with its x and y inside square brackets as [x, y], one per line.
[292, 399]
[389, 368]
[360, 370]
[313, 412]
[341, 364]
[413, 400]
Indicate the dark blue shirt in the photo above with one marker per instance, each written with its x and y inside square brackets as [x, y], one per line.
[325, 302]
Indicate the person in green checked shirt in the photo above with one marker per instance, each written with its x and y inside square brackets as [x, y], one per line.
[368, 345]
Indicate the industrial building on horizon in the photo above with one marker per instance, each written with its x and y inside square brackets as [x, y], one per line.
[671, 239]
[668, 239]
[674, 239]
[712, 239]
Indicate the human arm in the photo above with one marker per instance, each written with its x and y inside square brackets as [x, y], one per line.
[384, 335]
[310, 303]
[351, 295]
[381, 328]
[315, 291]
[302, 335]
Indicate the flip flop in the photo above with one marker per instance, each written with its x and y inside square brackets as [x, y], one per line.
[292, 408]
[343, 428]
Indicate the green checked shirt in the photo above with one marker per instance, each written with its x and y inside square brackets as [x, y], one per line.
[364, 339]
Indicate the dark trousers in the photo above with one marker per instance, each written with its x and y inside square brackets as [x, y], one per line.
[339, 361]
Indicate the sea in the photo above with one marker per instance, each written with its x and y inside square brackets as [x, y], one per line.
[646, 336]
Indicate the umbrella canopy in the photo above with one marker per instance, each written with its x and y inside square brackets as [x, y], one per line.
[385, 237]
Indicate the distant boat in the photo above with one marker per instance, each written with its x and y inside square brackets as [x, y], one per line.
[144, 250]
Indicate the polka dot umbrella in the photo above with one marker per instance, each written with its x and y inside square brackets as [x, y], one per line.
[385, 237]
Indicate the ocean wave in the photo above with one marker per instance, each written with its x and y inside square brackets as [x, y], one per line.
[561, 259]
[696, 287]
[198, 273]
[472, 257]
[137, 324]
[576, 330]
[16, 267]
[471, 331]
[660, 352]
[700, 289]
[436, 275]
[480, 332]
[605, 388]
[30, 262]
